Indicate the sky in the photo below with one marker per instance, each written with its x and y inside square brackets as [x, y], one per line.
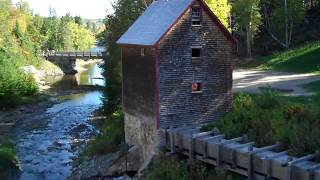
[87, 9]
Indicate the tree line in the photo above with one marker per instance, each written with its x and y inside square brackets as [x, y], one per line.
[23, 38]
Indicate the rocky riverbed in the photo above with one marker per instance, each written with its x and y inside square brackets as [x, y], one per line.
[49, 139]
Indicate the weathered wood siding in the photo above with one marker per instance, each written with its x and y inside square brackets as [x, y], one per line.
[178, 105]
[139, 93]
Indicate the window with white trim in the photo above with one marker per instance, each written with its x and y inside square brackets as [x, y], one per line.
[142, 52]
[196, 16]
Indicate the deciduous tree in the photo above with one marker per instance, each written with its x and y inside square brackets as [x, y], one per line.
[248, 19]
[222, 10]
[282, 17]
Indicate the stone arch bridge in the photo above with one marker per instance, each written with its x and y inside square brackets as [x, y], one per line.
[66, 60]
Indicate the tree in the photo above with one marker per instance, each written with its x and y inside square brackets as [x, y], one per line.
[4, 16]
[78, 20]
[82, 38]
[35, 34]
[222, 10]
[248, 19]
[65, 32]
[281, 18]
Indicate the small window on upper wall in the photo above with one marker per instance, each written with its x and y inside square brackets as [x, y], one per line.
[196, 53]
[196, 16]
[142, 52]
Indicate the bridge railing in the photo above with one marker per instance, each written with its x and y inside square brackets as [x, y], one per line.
[82, 54]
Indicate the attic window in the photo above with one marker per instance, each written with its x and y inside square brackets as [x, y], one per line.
[142, 52]
[196, 87]
[196, 16]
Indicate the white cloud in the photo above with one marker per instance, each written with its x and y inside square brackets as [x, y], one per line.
[89, 9]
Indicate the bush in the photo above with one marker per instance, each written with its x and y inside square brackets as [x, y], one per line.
[8, 160]
[14, 83]
[269, 118]
[175, 168]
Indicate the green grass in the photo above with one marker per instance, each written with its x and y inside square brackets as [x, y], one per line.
[313, 87]
[305, 59]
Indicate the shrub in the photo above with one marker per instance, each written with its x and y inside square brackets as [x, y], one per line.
[8, 160]
[14, 83]
[177, 168]
[269, 118]
[111, 137]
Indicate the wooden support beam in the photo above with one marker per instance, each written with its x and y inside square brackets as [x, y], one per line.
[269, 159]
[191, 149]
[311, 171]
[220, 136]
[172, 145]
[206, 141]
[220, 146]
[301, 159]
[235, 150]
[201, 134]
[292, 162]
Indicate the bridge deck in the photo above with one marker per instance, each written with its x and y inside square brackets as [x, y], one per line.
[80, 54]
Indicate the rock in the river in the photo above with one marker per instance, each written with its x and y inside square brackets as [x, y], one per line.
[97, 166]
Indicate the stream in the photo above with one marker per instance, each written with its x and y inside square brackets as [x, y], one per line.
[50, 138]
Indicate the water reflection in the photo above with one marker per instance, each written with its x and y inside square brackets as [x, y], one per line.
[92, 76]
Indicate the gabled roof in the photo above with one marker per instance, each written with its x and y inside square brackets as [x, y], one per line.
[157, 20]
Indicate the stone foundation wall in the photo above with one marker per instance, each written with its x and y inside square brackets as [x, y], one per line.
[142, 135]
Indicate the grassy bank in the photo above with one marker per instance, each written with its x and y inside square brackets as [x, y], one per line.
[111, 137]
[305, 59]
[269, 118]
[8, 159]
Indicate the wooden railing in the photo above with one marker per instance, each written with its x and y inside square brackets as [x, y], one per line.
[80, 54]
[241, 157]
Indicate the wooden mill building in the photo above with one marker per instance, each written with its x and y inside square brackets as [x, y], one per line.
[177, 61]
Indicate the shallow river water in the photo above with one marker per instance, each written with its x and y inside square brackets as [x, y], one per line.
[48, 140]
